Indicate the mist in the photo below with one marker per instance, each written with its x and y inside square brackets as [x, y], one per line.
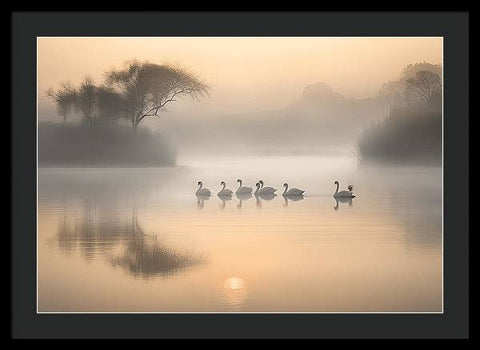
[267, 95]
[329, 151]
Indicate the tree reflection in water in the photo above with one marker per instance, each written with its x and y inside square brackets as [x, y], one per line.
[145, 257]
[140, 254]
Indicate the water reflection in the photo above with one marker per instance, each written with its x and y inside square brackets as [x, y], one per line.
[342, 200]
[99, 233]
[145, 257]
[113, 217]
[96, 232]
[201, 200]
[263, 196]
[291, 198]
[267, 196]
[242, 197]
[224, 199]
[234, 293]
[414, 197]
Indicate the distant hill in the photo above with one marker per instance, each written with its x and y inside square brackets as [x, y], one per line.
[320, 121]
[321, 102]
[320, 93]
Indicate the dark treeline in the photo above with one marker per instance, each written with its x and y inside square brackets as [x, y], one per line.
[127, 97]
[83, 146]
[412, 132]
[101, 123]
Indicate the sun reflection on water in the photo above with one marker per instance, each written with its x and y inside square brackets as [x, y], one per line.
[235, 292]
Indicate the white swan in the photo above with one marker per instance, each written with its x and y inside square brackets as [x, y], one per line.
[224, 191]
[257, 185]
[202, 191]
[266, 190]
[343, 194]
[263, 195]
[242, 189]
[292, 191]
[242, 197]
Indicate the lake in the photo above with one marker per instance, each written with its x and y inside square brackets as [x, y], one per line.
[139, 240]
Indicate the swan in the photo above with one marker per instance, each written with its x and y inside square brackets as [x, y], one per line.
[264, 195]
[242, 189]
[202, 191]
[343, 194]
[257, 185]
[292, 191]
[265, 189]
[243, 196]
[224, 191]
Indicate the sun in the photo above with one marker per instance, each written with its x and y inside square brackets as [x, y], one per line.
[234, 283]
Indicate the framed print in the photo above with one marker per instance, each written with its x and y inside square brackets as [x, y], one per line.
[302, 177]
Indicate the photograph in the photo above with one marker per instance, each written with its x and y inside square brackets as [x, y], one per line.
[240, 174]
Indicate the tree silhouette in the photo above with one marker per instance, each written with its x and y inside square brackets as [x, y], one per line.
[91, 101]
[399, 93]
[425, 85]
[64, 99]
[147, 88]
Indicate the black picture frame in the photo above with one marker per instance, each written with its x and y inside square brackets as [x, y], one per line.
[452, 26]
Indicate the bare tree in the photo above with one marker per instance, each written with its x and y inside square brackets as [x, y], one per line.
[110, 104]
[91, 101]
[86, 100]
[399, 93]
[412, 69]
[147, 88]
[83, 99]
[425, 85]
[394, 92]
[64, 99]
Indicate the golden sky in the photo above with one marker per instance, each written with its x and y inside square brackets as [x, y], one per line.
[246, 73]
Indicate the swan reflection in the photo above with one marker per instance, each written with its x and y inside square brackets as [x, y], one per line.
[267, 196]
[242, 197]
[286, 199]
[263, 196]
[224, 199]
[200, 200]
[342, 200]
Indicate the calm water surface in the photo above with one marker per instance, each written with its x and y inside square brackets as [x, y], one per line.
[140, 240]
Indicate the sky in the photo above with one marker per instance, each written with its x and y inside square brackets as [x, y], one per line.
[247, 74]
